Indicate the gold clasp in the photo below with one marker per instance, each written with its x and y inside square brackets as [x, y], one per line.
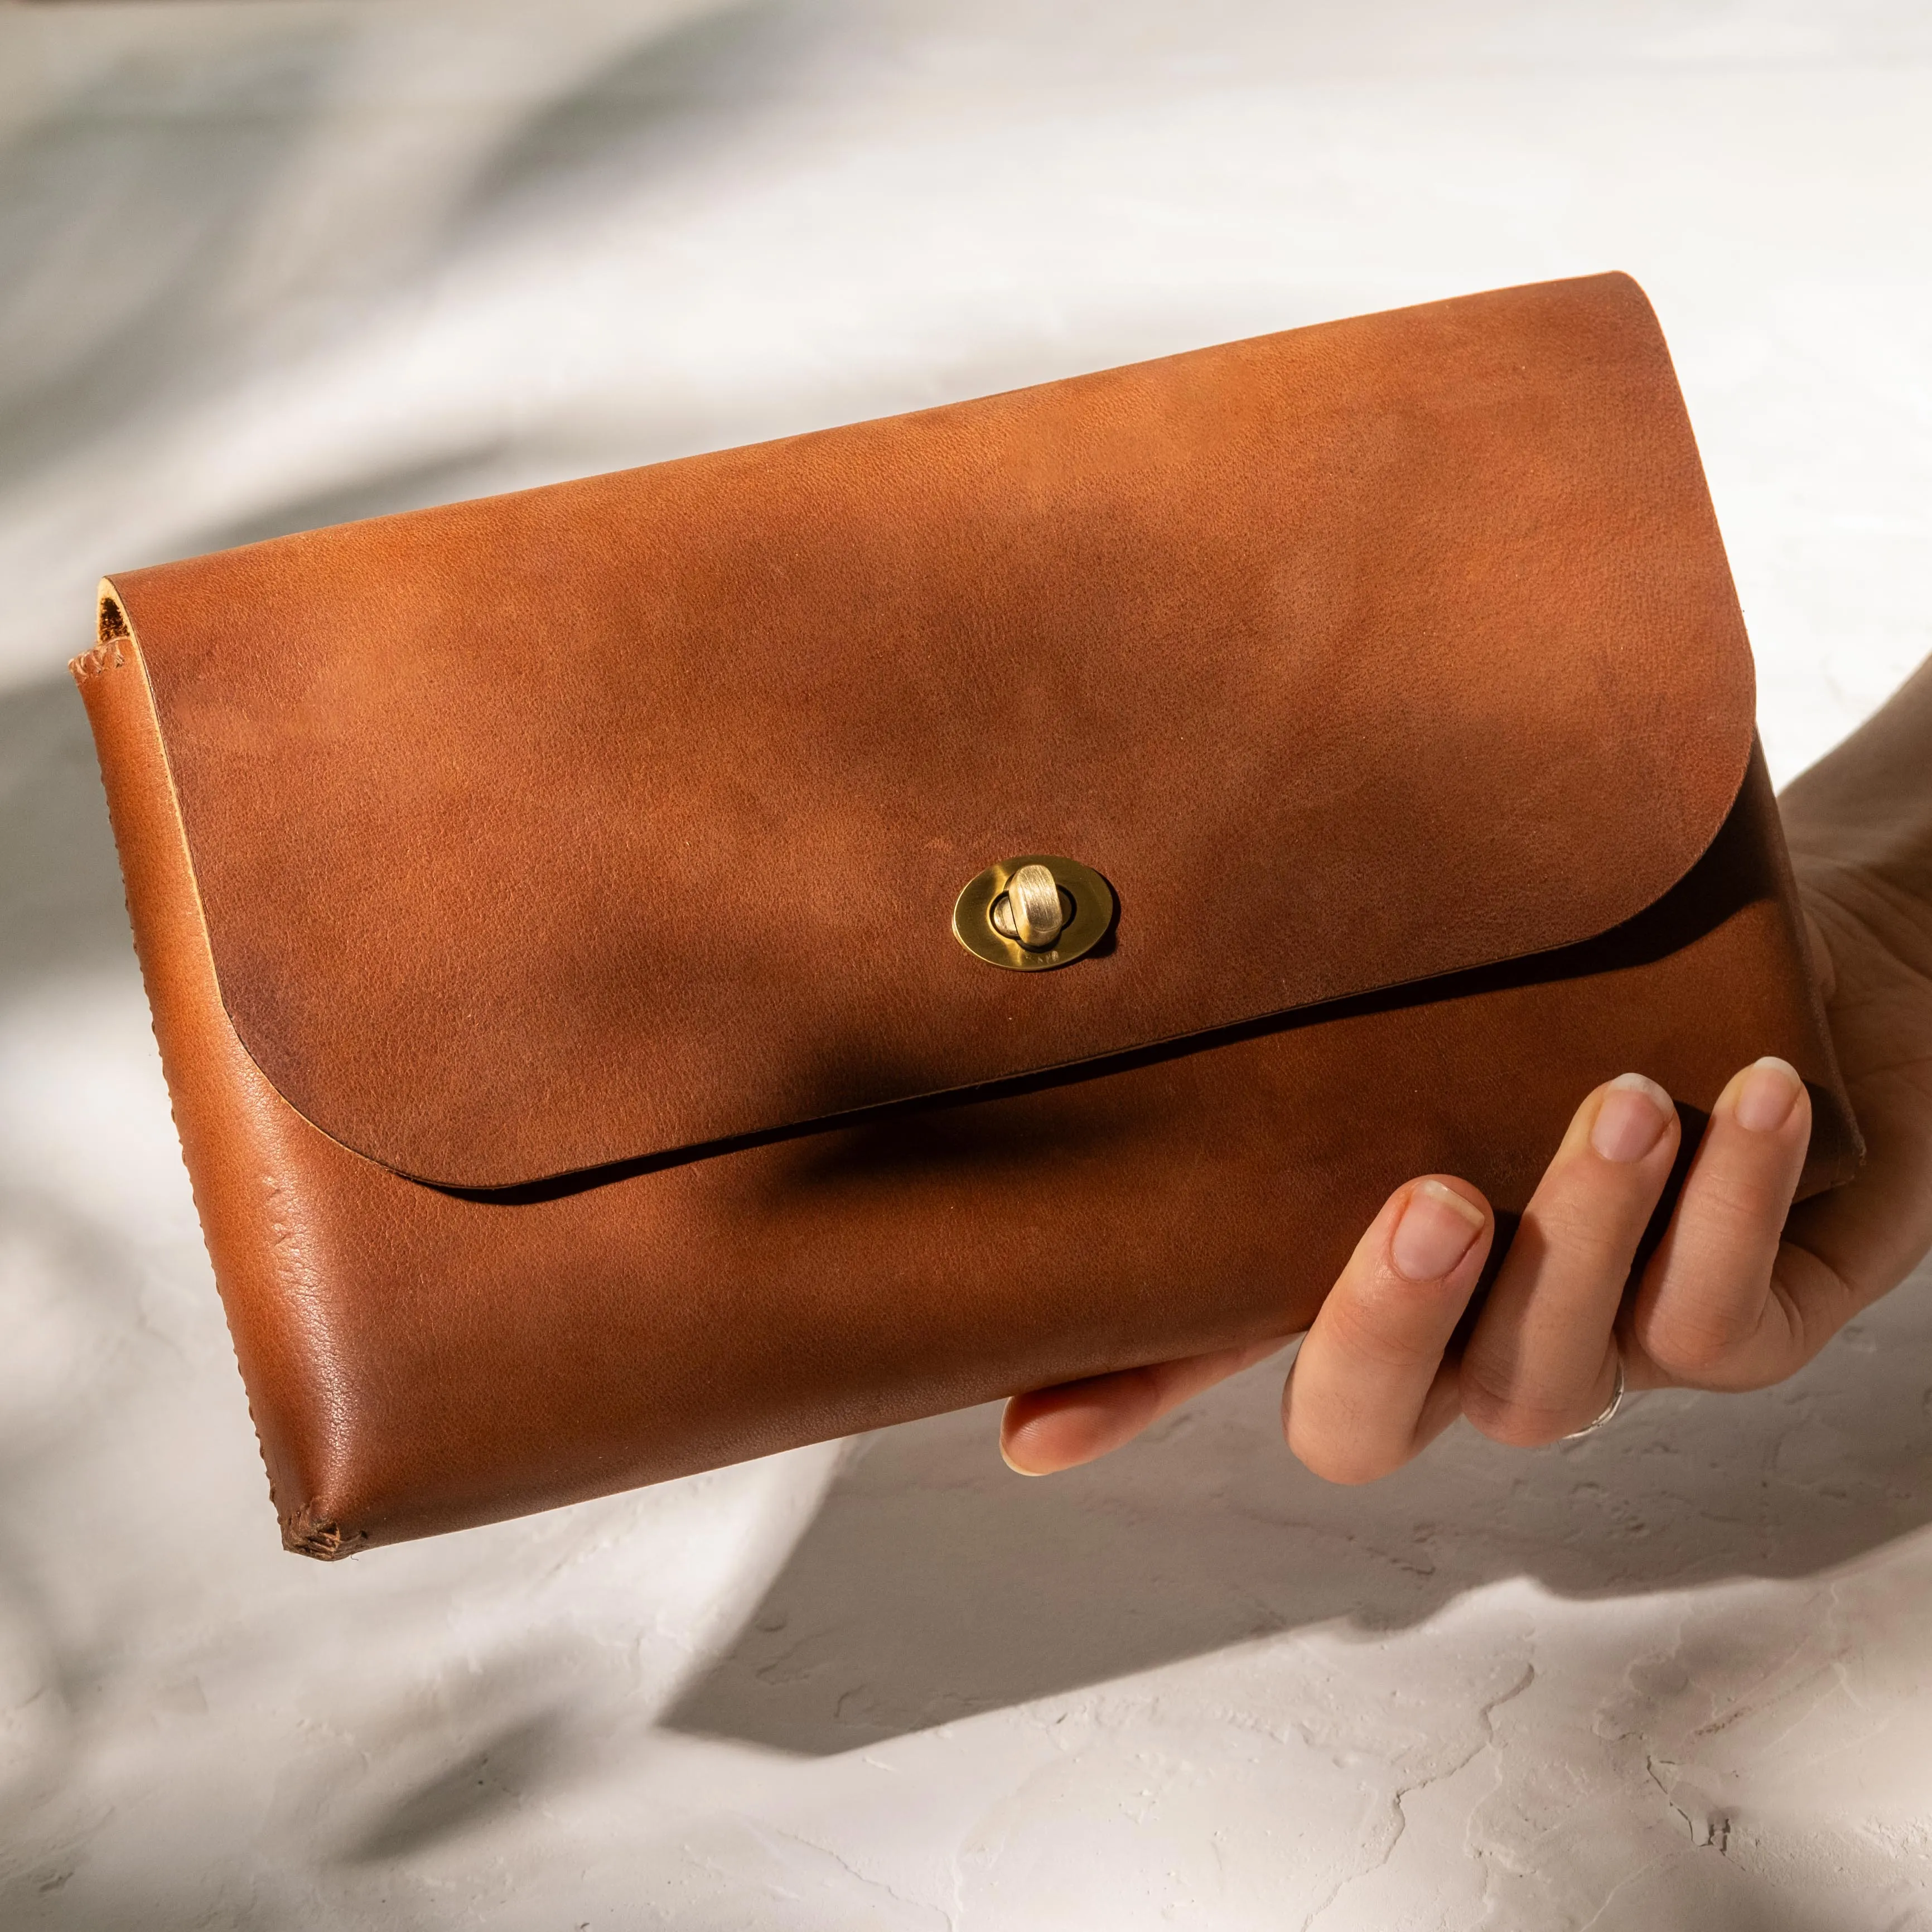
[1033, 913]
[1033, 909]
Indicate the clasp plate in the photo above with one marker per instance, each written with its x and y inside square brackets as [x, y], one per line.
[987, 923]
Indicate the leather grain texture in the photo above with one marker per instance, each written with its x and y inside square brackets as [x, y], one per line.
[1413, 636]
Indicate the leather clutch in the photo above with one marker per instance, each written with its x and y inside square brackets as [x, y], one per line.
[656, 969]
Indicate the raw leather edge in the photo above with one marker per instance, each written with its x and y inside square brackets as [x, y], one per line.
[230, 1123]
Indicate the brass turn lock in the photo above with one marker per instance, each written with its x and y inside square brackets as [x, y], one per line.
[1034, 912]
[1033, 909]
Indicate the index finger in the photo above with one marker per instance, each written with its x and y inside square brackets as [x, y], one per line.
[1369, 1389]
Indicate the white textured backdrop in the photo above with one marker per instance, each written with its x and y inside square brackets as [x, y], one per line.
[269, 265]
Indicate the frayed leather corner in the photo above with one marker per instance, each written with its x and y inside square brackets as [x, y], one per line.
[305, 1534]
[105, 655]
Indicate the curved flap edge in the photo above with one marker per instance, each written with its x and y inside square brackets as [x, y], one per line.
[568, 827]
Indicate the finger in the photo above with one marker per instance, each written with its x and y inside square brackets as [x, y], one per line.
[1542, 1362]
[1707, 1313]
[1369, 1388]
[1055, 1428]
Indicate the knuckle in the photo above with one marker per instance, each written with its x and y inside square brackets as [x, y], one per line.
[1711, 1320]
[1735, 1208]
[1693, 1349]
[1731, 1369]
[1371, 1331]
[1597, 1236]
[1521, 1421]
[1333, 1442]
[1520, 1427]
[1333, 1462]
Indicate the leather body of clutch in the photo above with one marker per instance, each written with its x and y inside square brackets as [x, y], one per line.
[566, 915]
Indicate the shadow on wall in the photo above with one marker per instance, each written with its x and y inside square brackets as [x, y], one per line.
[666, 105]
[934, 1584]
[60, 908]
[516, 1763]
[118, 236]
[134, 210]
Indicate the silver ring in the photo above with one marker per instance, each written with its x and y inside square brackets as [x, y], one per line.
[1610, 1407]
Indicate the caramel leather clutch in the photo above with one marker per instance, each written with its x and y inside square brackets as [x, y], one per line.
[660, 968]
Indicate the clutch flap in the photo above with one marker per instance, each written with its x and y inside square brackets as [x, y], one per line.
[626, 815]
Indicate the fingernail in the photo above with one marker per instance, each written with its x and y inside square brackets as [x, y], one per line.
[1769, 1093]
[1438, 1228]
[1018, 1469]
[1631, 1118]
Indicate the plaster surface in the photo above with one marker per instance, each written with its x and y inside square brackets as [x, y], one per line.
[266, 265]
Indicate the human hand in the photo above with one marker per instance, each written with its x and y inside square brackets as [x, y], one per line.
[1742, 1289]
